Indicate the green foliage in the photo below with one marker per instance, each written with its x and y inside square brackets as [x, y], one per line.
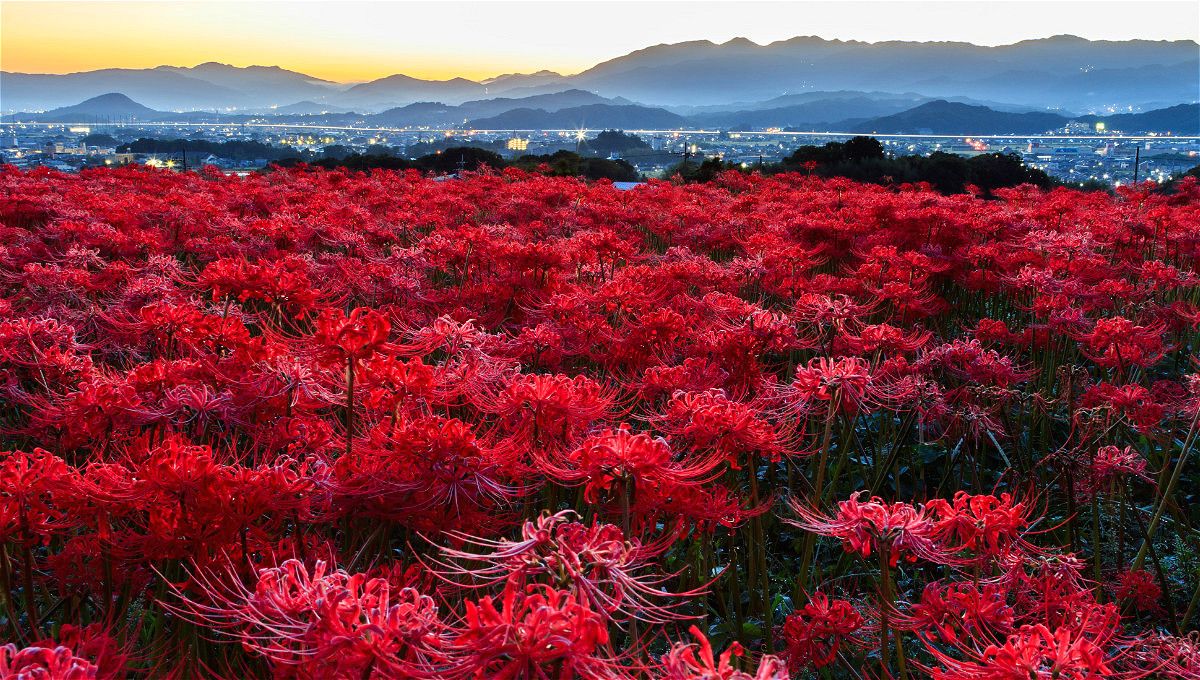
[863, 159]
[570, 164]
[616, 141]
[238, 150]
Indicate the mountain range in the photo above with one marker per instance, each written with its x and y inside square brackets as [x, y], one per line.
[1065, 73]
[864, 113]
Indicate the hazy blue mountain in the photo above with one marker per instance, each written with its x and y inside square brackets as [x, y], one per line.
[432, 114]
[1094, 73]
[513, 81]
[306, 107]
[1063, 73]
[106, 107]
[159, 89]
[807, 113]
[436, 114]
[1084, 89]
[271, 85]
[593, 116]
[952, 118]
[1182, 119]
[400, 89]
[554, 101]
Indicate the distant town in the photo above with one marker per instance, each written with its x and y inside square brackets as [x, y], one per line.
[1073, 154]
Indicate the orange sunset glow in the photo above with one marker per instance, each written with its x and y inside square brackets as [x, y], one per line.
[353, 41]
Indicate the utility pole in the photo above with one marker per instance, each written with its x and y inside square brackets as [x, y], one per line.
[1137, 160]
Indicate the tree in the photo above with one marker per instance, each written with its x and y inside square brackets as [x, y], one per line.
[616, 141]
[947, 172]
[863, 148]
[460, 158]
[338, 151]
[997, 170]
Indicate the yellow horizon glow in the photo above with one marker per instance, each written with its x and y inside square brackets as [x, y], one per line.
[357, 41]
[74, 36]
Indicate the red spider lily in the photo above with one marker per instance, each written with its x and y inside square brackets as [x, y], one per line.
[1172, 657]
[693, 375]
[1049, 589]
[881, 338]
[1111, 463]
[45, 663]
[597, 564]
[35, 492]
[905, 530]
[948, 611]
[322, 623]
[612, 460]
[536, 632]
[839, 312]
[403, 388]
[421, 471]
[1118, 343]
[340, 338]
[982, 524]
[696, 662]
[283, 283]
[548, 410]
[1039, 651]
[710, 420]
[1140, 589]
[968, 360]
[844, 385]
[1133, 402]
[815, 633]
[90, 649]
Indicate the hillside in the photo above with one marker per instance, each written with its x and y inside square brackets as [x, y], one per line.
[111, 106]
[950, 118]
[627, 117]
[1182, 119]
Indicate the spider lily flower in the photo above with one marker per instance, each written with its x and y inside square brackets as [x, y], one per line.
[696, 661]
[50, 663]
[535, 631]
[609, 460]
[547, 410]
[948, 610]
[842, 385]
[982, 524]
[1118, 343]
[1039, 651]
[326, 620]
[814, 634]
[863, 527]
[597, 564]
[710, 420]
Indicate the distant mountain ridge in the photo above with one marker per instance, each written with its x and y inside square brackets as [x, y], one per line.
[111, 106]
[591, 116]
[576, 109]
[952, 118]
[1060, 72]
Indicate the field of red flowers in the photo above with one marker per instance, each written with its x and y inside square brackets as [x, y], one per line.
[312, 424]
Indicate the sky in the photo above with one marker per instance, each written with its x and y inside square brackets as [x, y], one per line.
[354, 41]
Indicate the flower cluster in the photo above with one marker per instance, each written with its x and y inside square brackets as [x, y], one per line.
[326, 424]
